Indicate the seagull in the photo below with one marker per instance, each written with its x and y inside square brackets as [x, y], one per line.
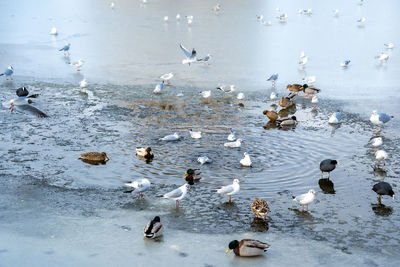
[189, 19]
[303, 62]
[379, 118]
[226, 89]
[376, 141]
[204, 159]
[300, 11]
[260, 17]
[302, 54]
[305, 199]
[112, 5]
[230, 190]
[83, 83]
[308, 11]
[246, 161]
[190, 56]
[267, 23]
[282, 18]
[217, 8]
[206, 94]
[345, 63]
[361, 21]
[336, 11]
[231, 136]
[383, 188]
[381, 155]
[178, 193]
[310, 79]
[153, 228]
[166, 19]
[206, 59]
[8, 72]
[195, 135]
[382, 57]
[171, 137]
[273, 78]
[22, 103]
[314, 100]
[139, 186]
[335, 118]
[178, 17]
[166, 77]
[158, 88]
[240, 96]
[53, 31]
[389, 46]
[273, 96]
[65, 49]
[235, 144]
[77, 64]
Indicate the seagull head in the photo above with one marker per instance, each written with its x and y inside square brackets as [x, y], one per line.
[311, 191]
[10, 67]
[373, 112]
[236, 181]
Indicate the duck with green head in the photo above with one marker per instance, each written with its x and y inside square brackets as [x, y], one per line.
[310, 91]
[247, 247]
[192, 176]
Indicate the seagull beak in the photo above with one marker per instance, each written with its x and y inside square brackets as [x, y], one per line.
[228, 250]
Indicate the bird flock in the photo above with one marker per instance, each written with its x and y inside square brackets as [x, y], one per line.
[260, 207]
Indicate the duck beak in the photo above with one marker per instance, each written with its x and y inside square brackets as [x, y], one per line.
[228, 250]
[186, 175]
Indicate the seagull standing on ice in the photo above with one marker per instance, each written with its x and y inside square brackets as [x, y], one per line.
[139, 186]
[345, 63]
[8, 72]
[227, 89]
[230, 190]
[273, 78]
[53, 31]
[382, 57]
[178, 193]
[305, 199]
[190, 56]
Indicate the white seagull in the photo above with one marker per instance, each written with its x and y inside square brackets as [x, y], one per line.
[383, 57]
[377, 141]
[77, 64]
[273, 96]
[240, 96]
[381, 155]
[206, 94]
[139, 186]
[305, 199]
[235, 144]
[314, 100]
[53, 31]
[159, 87]
[166, 77]
[178, 193]
[303, 62]
[379, 118]
[389, 46]
[190, 56]
[171, 137]
[195, 135]
[227, 89]
[231, 136]
[335, 118]
[203, 160]
[230, 190]
[83, 83]
[246, 161]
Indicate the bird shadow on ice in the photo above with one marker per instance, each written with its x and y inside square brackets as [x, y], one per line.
[137, 204]
[326, 186]
[381, 210]
[259, 225]
[302, 213]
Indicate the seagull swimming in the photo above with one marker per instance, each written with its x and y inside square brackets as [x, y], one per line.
[83, 83]
[159, 87]
[345, 63]
[203, 160]
[240, 96]
[65, 49]
[235, 144]
[305, 199]
[195, 135]
[166, 77]
[231, 137]
[53, 31]
[376, 141]
[190, 56]
[230, 190]
[273, 78]
[178, 193]
[171, 137]
[139, 186]
[246, 161]
[379, 118]
[77, 64]
[206, 94]
[335, 118]
[314, 100]
[8, 72]
[381, 155]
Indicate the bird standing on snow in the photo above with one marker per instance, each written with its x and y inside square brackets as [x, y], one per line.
[305, 199]
[153, 229]
[139, 186]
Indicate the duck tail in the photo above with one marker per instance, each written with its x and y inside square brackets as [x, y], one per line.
[149, 235]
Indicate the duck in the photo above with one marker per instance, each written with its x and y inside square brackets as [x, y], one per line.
[153, 229]
[327, 165]
[100, 157]
[287, 101]
[146, 153]
[383, 188]
[246, 161]
[286, 121]
[247, 247]
[139, 186]
[310, 91]
[296, 88]
[230, 190]
[272, 115]
[305, 199]
[260, 208]
[192, 175]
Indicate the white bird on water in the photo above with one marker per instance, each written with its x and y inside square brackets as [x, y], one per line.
[83, 83]
[159, 87]
[206, 94]
[195, 135]
[139, 186]
[203, 160]
[305, 199]
[53, 31]
[240, 96]
[381, 155]
[178, 193]
[227, 89]
[314, 100]
[230, 190]
[246, 161]
[379, 118]
[377, 141]
[166, 77]
[335, 118]
[171, 137]
[235, 144]
[231, 136]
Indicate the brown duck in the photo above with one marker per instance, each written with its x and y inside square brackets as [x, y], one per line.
[94, 157]
[272, 115]
[260, 207]
[295, 88]
[310, 91]
[287, 101]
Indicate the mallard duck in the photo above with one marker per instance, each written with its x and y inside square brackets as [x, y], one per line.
[287, 101]
[296, 88]
[260, 207]
[327, 165]
[247, 247]
[383, 188]
[310, 91]
[286, 121]
[145, 152]
[94, 156]
[153, 229]
[192, 176]
[272, 115]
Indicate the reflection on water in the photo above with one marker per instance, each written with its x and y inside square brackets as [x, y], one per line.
[326, 185]
[381, 210]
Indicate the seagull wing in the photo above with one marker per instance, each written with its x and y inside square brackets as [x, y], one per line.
[174, 193]
[188, 54]
[226, 189]
[384, 117]
[31, 109]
